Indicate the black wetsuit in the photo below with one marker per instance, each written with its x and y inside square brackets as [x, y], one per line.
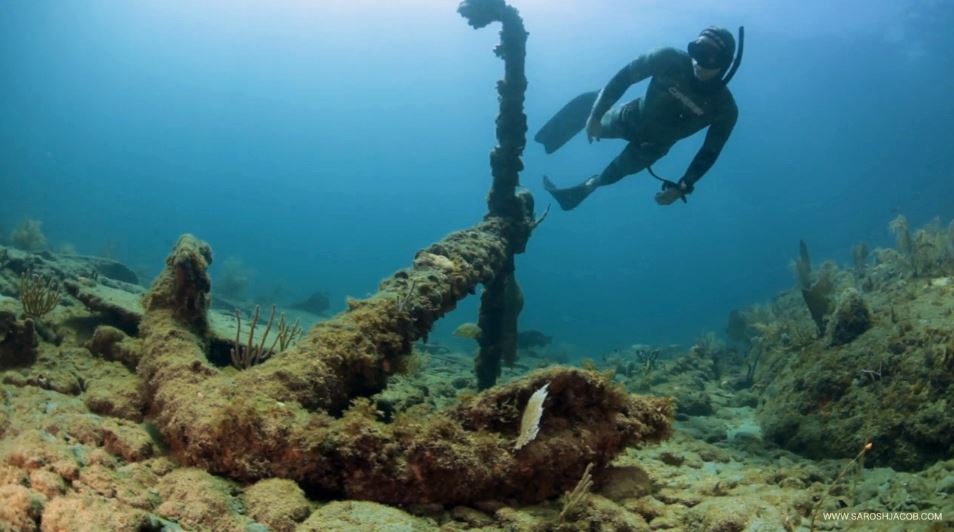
[676, 105]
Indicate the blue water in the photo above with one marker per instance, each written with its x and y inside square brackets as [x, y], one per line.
[321, 143]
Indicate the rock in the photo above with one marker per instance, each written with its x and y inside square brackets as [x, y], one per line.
[21, 508]
[769, 509]
[116, 393]
[122, 304]
[18, 341]
[64, 382]
[197, 500]
[473, 518]
[694, 403]
[92, 512]
[47, 483]
[744, 398]
[602, 514]
[106, 267]
[619, 483]
[513, 519]
[721, 515]
[363, 515]
[12, 475]
[113, 344]
[850, 318]
[435, 349]
[706, 428]
[127, 440]
[648, 507]
[278, 503]
[946, 485]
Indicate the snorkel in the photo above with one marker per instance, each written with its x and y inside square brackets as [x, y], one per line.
[738, 58]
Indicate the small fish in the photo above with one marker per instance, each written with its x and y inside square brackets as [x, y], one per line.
[530, 339]
[468, 330]
[317, 304]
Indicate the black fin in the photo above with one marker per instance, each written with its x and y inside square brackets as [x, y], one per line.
[568, 198]
[567, 122]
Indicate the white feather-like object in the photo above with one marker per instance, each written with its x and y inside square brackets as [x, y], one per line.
[530, 424]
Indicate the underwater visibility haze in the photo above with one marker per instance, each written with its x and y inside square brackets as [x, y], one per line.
[317, 142]
[258, 268]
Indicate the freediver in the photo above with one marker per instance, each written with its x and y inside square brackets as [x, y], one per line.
[687, 92]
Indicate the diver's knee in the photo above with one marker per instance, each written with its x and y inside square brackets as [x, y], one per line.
[610, 175]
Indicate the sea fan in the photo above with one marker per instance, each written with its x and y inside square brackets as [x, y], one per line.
[902, 235]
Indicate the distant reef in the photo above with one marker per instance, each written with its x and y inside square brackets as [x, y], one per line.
[880, 370]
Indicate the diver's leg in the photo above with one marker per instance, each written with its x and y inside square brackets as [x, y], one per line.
[613, 127]
[629, 161]
[570, 197]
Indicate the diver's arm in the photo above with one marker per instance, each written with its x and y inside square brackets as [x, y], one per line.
[614, 90]
[639, 69]
[716, 137]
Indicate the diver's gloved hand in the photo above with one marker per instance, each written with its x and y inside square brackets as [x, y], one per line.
[672, 191]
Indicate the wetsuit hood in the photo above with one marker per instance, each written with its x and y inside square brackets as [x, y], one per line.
[715, 48]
